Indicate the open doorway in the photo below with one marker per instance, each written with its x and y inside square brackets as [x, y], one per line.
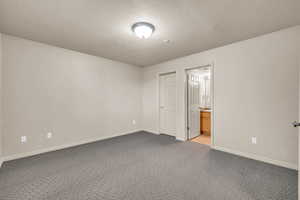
[199, 105]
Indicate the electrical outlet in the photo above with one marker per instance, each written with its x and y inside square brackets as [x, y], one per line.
[23, 139]
[49, 135]
[133, 122]
[253, 140]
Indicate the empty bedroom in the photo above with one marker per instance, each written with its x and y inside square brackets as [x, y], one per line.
[149, 100]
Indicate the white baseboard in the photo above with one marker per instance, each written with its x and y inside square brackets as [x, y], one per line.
[151, 131]
[157, 133]
[40, 151]
[243, 154]
[257, 157]
[180, 139]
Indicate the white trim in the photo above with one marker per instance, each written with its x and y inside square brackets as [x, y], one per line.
[213, 105]
[258, 157]
[212, 88]
[40, 151]
[151, 131]
[227, 150]
[180, 139]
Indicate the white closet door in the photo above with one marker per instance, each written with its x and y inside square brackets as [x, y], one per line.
[168, 104]
[194, 105]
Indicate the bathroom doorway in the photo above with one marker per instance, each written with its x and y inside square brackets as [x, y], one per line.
[199, 105]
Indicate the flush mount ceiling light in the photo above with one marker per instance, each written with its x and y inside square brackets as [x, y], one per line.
[143, 29]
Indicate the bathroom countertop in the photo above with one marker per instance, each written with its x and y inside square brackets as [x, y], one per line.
[205, 110]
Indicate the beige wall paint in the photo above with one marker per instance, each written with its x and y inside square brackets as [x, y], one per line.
[79, 97]
[256, 94]
[75, 96]
[1, 132]
[299, 114]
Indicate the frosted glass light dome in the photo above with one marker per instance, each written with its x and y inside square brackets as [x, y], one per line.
[143, 30]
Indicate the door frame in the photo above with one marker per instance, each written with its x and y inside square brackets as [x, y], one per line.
[158, 99]
[212, 91]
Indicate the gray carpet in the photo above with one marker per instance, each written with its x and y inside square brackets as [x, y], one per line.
[143, 166]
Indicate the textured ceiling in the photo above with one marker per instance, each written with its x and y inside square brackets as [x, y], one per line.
[102, 27]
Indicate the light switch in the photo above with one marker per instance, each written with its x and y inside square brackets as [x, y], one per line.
[253, 139]
[49, 135]
[23, 139]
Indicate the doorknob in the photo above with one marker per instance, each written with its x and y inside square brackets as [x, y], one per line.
[295, 124]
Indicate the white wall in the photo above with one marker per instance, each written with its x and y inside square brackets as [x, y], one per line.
[256, 94]
[75, 96]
